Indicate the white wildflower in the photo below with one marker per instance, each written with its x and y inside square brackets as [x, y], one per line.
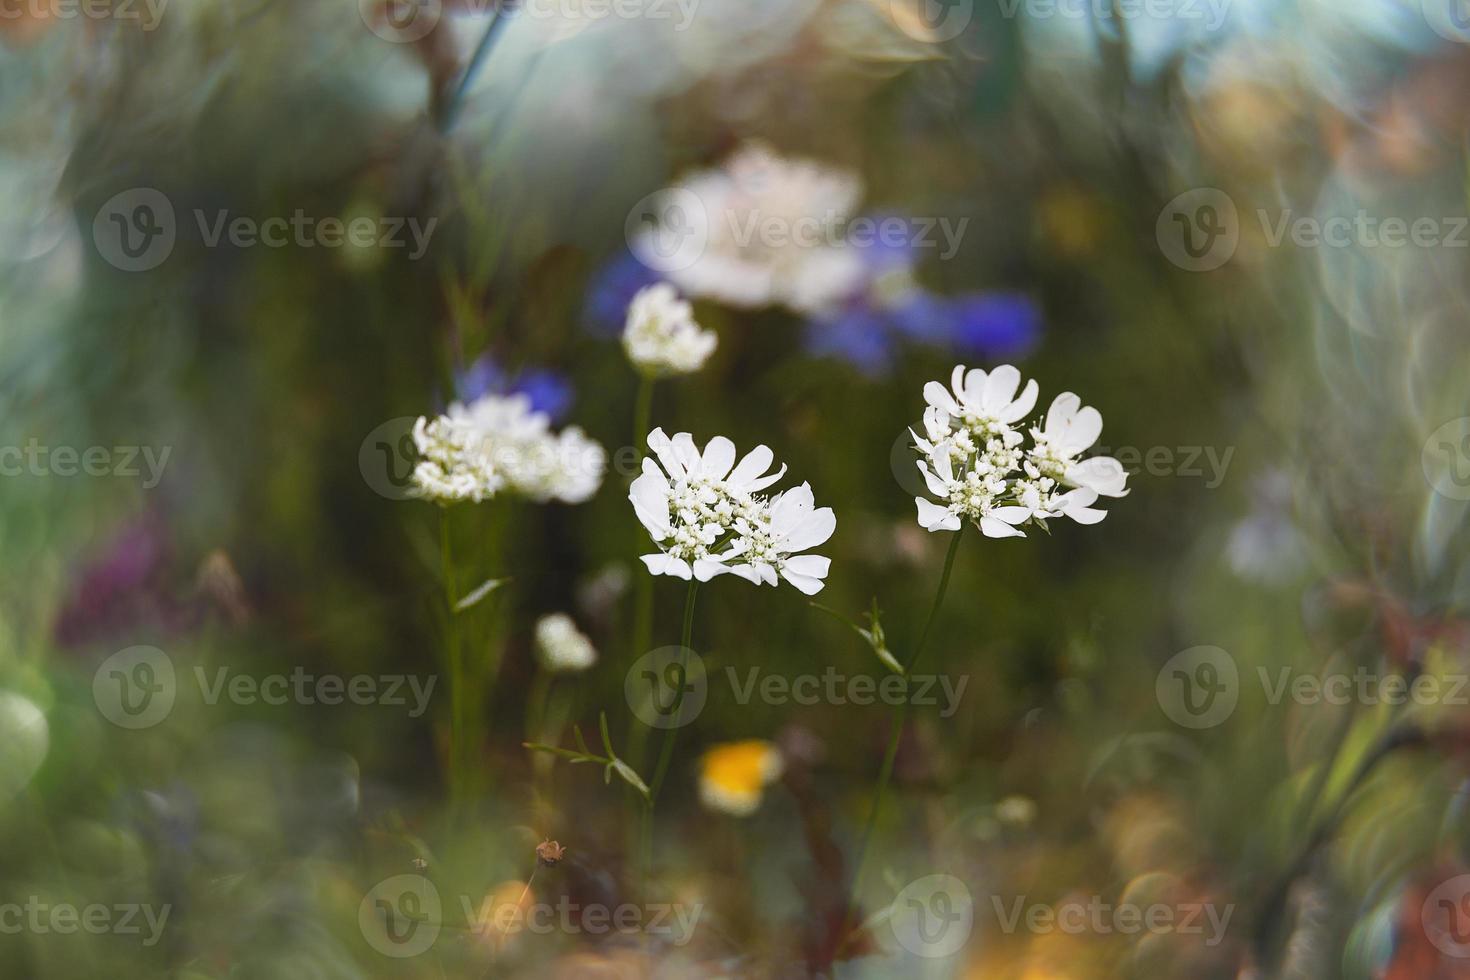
[661, 337]
[449, 468]
[708, 517]
[973, 460]
[560, 646]
[499, 443]
[771, 232]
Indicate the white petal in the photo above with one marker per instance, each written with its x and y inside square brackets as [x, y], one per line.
[756, 486]
[651, 505]
[1086, 426]
[1011, 514]
[815, 566]
[1085, 515]
[1000, 388]
[806, 584]
[791, 508]
[688, 452]
[755, 463]
[936, 486]
[814, 529]
[664, 450]
[1059, 415]
[937, 397]
[1103, 474]
[1022, 406]
[992, 528]
[707, 568]
[747, 572]
[932, 517]
[719, 456]
[662, 564]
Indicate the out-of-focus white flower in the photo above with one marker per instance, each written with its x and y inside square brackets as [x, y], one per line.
[498, 443]
[661, 337]
[560, 646]
[974, 463]
[769, 231]
[450, 467]
[706, 514]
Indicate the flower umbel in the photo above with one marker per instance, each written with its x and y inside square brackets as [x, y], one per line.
[708, 516]
[499, 442]
[973, 460]
[661, 337]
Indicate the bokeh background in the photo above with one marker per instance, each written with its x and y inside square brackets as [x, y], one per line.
[1295, 413]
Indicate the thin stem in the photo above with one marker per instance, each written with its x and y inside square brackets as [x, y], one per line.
[456, 660]
[671, 735]
[900, 716]
[641, 842]
[498, 20]
[643, 593]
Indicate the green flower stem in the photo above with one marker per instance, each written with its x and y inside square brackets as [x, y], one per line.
[900, 716]
[671, 735]
[456, 664]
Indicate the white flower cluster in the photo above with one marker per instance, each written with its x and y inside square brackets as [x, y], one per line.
[760, 230]
[973, 460]
[561, 647]
[498, 442]
[708, 516]
[661, 337]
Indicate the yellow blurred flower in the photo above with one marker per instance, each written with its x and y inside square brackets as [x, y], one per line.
[732, 776]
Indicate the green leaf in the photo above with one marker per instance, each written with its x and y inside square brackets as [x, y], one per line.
[874, 637]
[606, 741]
[630, 777]
[556, 750]
[484, 589]
[581, 742]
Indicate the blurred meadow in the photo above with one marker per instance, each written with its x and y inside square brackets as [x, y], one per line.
[283, 662]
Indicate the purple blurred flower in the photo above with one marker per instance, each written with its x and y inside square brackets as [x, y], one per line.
[890, 307]
[995, 325]
[859, 335]
[123, 586]
[612, 289]
[549, 391]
